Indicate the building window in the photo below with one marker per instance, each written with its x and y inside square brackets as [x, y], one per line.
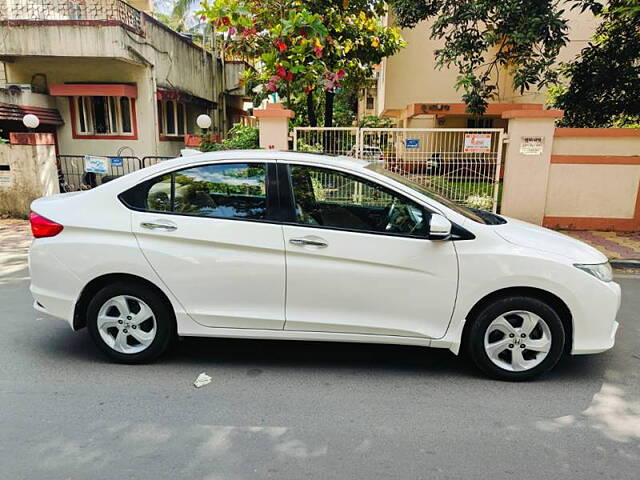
[103, 116]
[480, 122]
[172, 118]
[369, 103]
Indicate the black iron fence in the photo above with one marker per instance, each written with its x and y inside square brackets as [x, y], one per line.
[82, 12]
[83, 172]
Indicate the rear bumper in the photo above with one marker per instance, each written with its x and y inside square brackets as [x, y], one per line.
[54, 287]
[594, 331]
[53, 305]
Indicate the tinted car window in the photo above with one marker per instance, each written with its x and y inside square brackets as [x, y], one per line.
[328, 198]
[226, 191]
[159, 195]
[235, 190]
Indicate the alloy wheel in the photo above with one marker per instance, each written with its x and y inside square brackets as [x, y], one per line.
[517, 341]
[126, 324]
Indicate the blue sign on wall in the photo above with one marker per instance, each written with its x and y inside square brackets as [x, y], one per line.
[412, 143]
[116, 162]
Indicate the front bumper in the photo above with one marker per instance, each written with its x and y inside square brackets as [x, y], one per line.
[595, 325]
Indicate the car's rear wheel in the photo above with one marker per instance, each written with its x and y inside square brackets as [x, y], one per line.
[516, 338]
[130, 322]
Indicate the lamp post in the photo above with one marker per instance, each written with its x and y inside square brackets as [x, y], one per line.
[203, 121]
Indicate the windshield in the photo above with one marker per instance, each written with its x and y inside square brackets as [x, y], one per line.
[473, 214]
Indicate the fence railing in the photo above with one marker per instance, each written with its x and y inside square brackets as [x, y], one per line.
[331, 140]
[114, 12]
[460, 164]
[73, 174]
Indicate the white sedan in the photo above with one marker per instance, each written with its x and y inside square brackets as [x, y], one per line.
[292, 246]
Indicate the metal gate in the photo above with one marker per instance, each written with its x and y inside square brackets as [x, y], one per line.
[461, 164]
[72, 175]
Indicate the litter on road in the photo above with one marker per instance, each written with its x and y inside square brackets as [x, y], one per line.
[202, 380]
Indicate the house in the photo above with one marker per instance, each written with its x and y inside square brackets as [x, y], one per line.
[413, 91]
[109, 79]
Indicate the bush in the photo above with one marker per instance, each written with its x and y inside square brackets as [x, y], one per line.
[240, 137]
[373, 121]
[483, 202]
[305, 147]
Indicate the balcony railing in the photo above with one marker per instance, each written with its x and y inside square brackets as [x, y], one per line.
[72, 12]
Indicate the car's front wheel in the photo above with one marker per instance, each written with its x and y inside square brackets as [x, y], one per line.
[130, 322]
[516, 338]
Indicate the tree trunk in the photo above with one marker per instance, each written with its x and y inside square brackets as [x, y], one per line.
[311, 110]
[328, 108]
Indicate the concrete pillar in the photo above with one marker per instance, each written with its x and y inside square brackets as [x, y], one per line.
[27, 171]
[526, 171]
[273, 123]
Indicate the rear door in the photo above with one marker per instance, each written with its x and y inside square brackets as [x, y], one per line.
[359, 260]
[208, 232]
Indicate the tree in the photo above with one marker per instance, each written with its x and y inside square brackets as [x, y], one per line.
[482, 37]
[603, 87]
[300, 48]
[177, 14]
[627, 8]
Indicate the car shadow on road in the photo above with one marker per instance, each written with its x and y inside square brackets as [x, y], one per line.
[257, 355]
[367, 357]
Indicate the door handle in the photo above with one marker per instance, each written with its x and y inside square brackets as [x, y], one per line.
[167, 227]
[305, 242]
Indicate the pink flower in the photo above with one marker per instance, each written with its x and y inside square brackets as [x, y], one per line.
[281, 71]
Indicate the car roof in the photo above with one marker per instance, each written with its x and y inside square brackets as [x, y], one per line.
[299, 157]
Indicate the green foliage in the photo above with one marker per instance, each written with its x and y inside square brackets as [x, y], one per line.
[240, 137]
[602, 86]
[305, 48]
[345, 107]
[305, 147]
[373, 121]
[626, 8]
[482, 37]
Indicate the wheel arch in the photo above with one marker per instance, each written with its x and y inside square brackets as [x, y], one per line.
[95, 285]
[552, 299]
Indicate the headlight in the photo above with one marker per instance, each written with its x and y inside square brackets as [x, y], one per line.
[601, 271]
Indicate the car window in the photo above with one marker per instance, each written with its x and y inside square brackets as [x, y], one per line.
[232, 190]
[328, 198]
[159, 196]
[226, 191]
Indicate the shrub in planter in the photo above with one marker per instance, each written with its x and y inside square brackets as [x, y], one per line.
[241, 137]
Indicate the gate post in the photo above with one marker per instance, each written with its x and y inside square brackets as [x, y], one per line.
[273, 124]
[28, 171]
[526, 170]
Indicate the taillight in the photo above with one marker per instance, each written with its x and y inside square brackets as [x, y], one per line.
[43, 227]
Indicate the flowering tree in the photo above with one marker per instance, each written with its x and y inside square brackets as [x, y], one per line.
[304, 48]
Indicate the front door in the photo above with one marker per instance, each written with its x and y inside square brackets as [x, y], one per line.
[207, 232]
[359, 261]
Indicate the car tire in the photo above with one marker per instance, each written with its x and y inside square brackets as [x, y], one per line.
[130, 323]
[516, 338]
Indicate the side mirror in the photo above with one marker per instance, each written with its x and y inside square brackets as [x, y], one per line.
[439, 227]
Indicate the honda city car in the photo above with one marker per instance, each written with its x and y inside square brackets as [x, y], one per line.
[295, 246]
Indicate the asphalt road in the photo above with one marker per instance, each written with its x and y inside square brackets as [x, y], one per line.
[287, 410]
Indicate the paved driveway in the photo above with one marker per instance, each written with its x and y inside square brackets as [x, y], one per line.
[286, 410]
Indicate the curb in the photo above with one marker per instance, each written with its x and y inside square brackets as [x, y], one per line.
[623, 264]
